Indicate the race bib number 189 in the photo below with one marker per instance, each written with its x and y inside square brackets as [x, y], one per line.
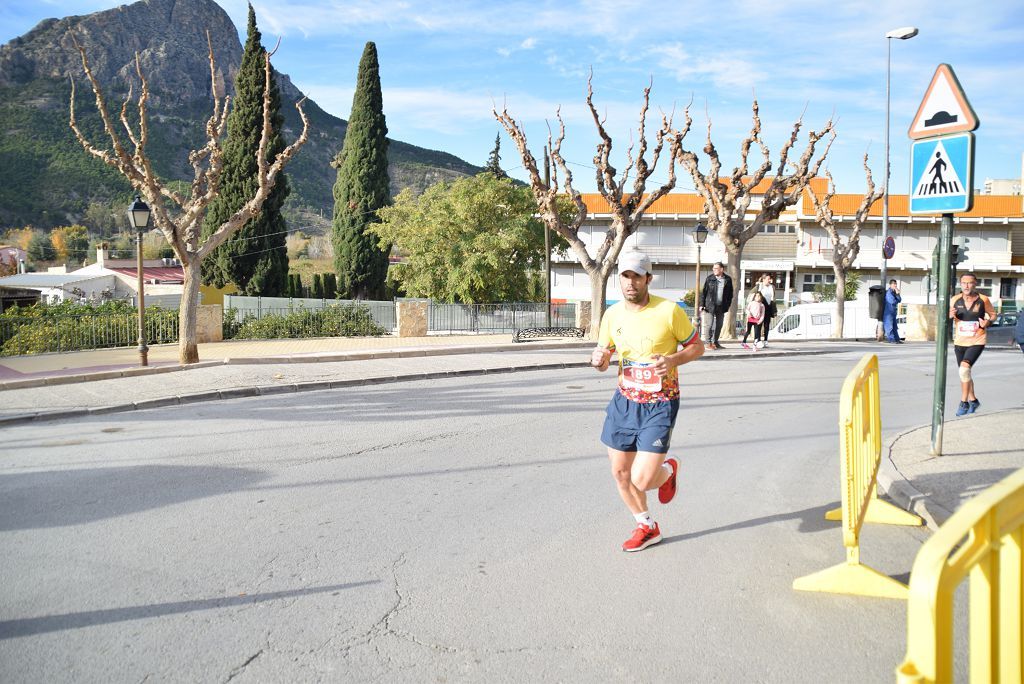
[641, 377]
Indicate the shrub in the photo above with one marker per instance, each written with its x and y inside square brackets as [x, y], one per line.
[71, 326]
[342, 320]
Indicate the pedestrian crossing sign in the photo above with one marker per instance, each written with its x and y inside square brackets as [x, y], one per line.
[942, 174]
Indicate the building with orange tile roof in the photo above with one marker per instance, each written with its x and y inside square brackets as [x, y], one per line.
[797, 252]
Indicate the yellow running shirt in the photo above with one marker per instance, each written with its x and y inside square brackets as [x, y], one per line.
[658, 328]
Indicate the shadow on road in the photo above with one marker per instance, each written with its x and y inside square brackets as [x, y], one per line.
[57, 498]
[10, 629]
[811, 520]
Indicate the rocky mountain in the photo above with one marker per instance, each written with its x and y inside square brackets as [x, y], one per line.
[47, 179]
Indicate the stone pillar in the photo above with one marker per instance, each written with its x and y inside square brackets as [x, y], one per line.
[209, 323]
[412, 317]
[920, 323]
[583, 314]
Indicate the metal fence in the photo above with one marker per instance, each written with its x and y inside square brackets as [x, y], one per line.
[40, 334]
[497, 318]
[383, 313]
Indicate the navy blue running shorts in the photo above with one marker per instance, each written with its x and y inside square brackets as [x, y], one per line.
[632, 426]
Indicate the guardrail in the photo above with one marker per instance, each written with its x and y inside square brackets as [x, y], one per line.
[860, 439]
[985, 540]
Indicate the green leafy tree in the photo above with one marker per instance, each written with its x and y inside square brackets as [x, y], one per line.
[255, 258]
[40, 248]
[494, 161]
[473, 240]
[362, 188]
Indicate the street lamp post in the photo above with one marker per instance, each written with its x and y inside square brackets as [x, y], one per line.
[700, 234]
[138, 217]
[905, 33]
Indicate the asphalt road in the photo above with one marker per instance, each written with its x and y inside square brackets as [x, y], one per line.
[463, 529]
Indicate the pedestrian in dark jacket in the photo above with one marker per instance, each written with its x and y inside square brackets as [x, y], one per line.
[715, 300]
[1019, 331]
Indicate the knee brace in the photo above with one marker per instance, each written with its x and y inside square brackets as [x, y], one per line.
[965, 373]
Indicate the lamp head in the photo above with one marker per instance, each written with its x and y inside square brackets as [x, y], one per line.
[138, 214]
[904, 33]
[700, 233]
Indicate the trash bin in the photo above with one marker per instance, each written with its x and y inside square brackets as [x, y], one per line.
[876, 302]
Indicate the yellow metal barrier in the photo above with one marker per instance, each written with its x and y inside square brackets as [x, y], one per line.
[860, 437]
[993, 524]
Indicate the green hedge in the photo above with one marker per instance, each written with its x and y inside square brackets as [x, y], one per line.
[72, 327]
[340, 320]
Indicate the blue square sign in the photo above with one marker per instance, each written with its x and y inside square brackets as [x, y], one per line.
[942, 174]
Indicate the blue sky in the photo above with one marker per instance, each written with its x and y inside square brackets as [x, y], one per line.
[443, 65]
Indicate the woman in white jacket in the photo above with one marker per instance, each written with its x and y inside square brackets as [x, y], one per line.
[767, 290]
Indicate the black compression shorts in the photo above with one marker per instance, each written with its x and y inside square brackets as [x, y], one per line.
[968, 354]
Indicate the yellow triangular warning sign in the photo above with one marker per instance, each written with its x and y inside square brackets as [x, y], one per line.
[944, 109]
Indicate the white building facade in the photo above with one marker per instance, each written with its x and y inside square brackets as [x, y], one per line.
[797, 252]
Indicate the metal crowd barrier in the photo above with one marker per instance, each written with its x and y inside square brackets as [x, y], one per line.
[860, 437]
[983, 540]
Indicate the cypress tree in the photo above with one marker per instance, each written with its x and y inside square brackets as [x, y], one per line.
[330, 286]
[362, 188]
[255, 258]
[494, 161]
[318, 286]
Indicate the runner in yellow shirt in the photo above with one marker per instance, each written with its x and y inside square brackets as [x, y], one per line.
[971, 312]
[653, 336]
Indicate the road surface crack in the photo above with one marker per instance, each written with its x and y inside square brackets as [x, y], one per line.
[238, 670]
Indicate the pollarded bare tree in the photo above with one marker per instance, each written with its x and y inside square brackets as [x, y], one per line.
[727, 200]
[843, 254]
[180, 217]
[627, 208]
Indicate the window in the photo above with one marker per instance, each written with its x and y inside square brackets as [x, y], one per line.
[1007, 288]
[813, 279]
[778, 228]
[790, 322]
[821, 319]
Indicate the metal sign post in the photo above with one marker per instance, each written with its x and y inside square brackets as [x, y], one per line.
[941, 333]
[942, 182]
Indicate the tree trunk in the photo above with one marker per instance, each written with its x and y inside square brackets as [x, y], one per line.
[733, 256]
[837, 329]
[598, 287]
[188, 313]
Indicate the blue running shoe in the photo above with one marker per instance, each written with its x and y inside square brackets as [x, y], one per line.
[974, 406]
[963, 409]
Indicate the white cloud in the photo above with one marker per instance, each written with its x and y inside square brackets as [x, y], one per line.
[528, 44]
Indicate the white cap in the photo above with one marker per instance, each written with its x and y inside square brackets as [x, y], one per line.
[634, 261]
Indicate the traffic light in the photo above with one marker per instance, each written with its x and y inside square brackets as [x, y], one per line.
[958, 253]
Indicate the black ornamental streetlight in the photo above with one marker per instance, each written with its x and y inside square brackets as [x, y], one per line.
[700, 234]
[138, 216]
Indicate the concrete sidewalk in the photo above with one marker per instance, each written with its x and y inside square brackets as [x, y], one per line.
[977, 452]
[56, 386]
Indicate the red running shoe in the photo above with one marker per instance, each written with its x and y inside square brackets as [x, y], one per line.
[667, 491]
[643, 536]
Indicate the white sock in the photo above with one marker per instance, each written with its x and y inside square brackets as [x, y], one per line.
[667, 467]
[644, 519]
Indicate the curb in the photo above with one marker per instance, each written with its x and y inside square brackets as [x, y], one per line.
[270, 390]
[316, 385]
[906, 495]
[308, 357]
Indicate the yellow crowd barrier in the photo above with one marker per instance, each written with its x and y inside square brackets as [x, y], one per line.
[860, 441]
[993, 525]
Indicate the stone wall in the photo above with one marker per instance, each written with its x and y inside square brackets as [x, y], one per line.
[210, 323]
[920, 325]
[412, 317]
